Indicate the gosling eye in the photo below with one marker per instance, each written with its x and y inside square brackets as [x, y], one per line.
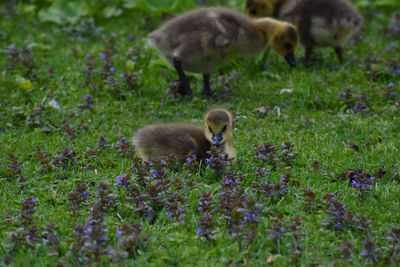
[253, 11]
[224, 129]
[209, 128]
[288, 46]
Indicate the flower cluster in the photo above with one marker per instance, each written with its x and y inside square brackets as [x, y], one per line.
[69, 129]
[279, 226]
[240, 211]
[78, 196]
[174, 91]
[108, 73]
[91, 240]
[389, 92]
[376, 67]
[124, 147]
[152, 191]
[226, 81]
[87, 102]
[51, 239]
[361, 180]
[346, 96]
[21, 58]
[27, 233]
[309, 197]
[279, 229]
[90, 71]
[370, 250]
[217, 160]
[287, 155]
[205, 222]
[339, 216]
[131, 79]
[268, 153]
[14, 167]
[67, 158]
[346, 250]
[42, 157]
[123, 180]
[34, 118]
[394, 249]
[107, 69]
[192, 163]
[131, 238]
[390, 31]
[267, 190]
[355, 102]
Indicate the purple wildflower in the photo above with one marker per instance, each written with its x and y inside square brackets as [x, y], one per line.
[364, 253]
[283, 191]
[199, 231]
[119, 234]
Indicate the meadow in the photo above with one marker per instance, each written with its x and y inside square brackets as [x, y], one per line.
[317, 179]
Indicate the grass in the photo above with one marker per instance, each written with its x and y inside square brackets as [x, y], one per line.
[322, 127]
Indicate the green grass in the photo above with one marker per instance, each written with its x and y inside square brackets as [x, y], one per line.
[312, 117]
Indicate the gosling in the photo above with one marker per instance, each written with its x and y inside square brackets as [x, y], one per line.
[328, 23]
[181, 140]
[204, 39]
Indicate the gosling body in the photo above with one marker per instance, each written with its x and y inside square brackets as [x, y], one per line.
[160, 140]
[181, 140]
[329, 23]
[204, 39]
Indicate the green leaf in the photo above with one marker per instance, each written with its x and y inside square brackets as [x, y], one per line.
[64, 11]
[160, 63]
[111, 11]
[387, 3]
[26, 9]
[131, 3]
[160, 6]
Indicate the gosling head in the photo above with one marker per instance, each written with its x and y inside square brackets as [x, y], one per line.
[281, 37]
[218, 126]
[262, 8]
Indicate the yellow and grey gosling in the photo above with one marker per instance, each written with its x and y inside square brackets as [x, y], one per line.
[160, 140]
[319, 22]
[202, 40]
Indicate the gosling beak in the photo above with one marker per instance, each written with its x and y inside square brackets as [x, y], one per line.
[216, 140]
[290, 59]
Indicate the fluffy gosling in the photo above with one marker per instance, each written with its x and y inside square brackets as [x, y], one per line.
[202, 40]
[319, 22]
[161, 140]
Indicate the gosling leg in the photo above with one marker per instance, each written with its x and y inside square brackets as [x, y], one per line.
[184, 86]
[206, 85]
[339, 52]
[307, 60]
